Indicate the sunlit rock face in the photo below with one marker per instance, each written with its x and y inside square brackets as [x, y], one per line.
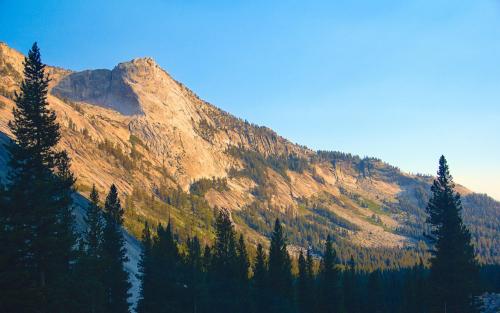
[140, 129]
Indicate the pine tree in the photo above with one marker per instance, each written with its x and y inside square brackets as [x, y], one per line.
[242, 261]
[310, 265]
[195, 275]
[206, 264]
[36, 214]
[167, 267]
[242, 264]
[421, 287]
[259, 281]
[280, 276]
[144, 303]
[91, 264]
[224, 269]
[330, 295]
[207, 259]
[454, 270]
[304, 284]
[95, 226]
[116, 281]
[351, 295]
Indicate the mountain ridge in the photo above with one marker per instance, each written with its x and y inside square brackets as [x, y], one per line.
[138, 127]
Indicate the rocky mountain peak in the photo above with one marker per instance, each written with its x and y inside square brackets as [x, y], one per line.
[139, 68]
[137, 127]
[128, 88]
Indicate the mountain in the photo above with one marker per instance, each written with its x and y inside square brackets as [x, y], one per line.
[171, 154]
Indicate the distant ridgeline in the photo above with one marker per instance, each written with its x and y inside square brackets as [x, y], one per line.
[192, 213]
[175, 156]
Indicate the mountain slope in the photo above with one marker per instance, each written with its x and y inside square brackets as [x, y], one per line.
[172, 154]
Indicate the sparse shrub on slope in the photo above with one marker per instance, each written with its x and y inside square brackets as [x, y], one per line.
[201, 186]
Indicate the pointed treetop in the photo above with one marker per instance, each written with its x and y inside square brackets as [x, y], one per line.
[33, 64]
[444, 176]
[94, 195]
[112, 205]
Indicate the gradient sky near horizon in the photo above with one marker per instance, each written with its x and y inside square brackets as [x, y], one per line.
[405, 81]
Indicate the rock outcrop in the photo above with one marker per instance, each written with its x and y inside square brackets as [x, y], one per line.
[137, 127]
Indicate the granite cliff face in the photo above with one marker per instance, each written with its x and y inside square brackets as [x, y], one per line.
[137, 127]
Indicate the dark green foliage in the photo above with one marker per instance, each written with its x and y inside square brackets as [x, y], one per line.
[329, 293]
[37, 227]
[145, 302]
[351, 288]
[242, 261]
[375, 293]
[195, 276]
[481, 214]
[311, 230]
[116, 282]
[169, 283]
[169, 288]
[127, 161]
[260, 293]
[206, 287]
[225, 277]
[243, 264]
[490, 278]
[333, 218]
[280, 266]
[201, 186]
[224, 255]
[205, 130]
[193, 208]
[415, 289]
[305, 291]
[136, 141]
[91, 264]
[95, 226]
[453, 266]
[40, 271]
[256, 164]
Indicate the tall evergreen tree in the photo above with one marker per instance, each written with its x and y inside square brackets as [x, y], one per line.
[305, 284]
[259, 281]
[93, 236]
[116, 281]
[91, 264]
[224, 269]
[167, 271]
[454, 270]
[195, 275]
[206, 293]
[330, 293]
[351, 296]
[36, 217]
[242, 264]
[207, 259]
[146, 274]
[310, 264]
[280, 276]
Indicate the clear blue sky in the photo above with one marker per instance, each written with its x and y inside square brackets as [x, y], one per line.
[405, 81]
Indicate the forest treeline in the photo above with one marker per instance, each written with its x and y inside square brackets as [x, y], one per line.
[47, 266]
